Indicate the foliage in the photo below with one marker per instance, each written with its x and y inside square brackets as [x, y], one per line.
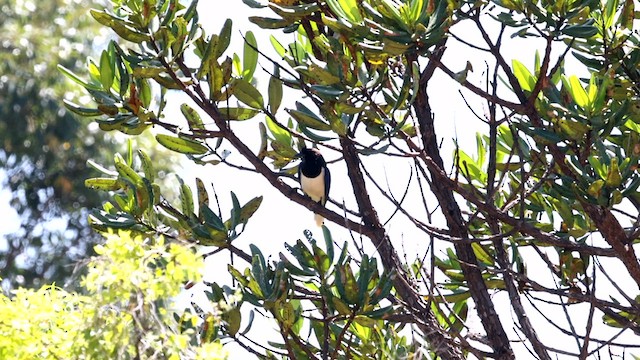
[45, 148]
[551, 184]
[343, 311]
[124, 311]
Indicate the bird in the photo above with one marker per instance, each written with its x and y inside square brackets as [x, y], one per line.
[314, 177]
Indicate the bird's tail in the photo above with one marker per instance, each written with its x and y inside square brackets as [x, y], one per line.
[319, 219]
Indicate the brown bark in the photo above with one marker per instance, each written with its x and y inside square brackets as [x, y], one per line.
[438, 339]
[491, 322]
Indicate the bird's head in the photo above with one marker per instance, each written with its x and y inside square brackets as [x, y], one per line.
[311, 156]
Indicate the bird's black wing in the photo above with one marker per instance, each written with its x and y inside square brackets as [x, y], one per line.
[327, 183]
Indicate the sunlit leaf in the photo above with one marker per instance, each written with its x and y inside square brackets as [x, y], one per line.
[184, 146]
[248, 94]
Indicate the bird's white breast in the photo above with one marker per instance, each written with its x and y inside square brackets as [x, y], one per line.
[313, 187]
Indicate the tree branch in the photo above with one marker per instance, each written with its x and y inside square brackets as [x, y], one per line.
[469, 263]
[438, 339]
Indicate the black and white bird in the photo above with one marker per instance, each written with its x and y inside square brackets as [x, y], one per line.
[314, 177]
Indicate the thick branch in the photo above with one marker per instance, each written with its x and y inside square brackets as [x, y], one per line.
[469, 263]
[615, 236]
[437, 338]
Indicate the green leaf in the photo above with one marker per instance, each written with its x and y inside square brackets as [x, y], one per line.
[232, 318]
[211, 219]
[294, 12]
[105, 184]
[123, 71]
[482, 254]
[111, 110]
[269, 23]
[308, 117]
[580, 31]
[147, 165]
[107, 70]
[235, 212]
[79, 110]
[192, 116]
[328, 242]
[224, 39]
[234, 113]
[341, 307]
[126, 172]
[319, 75]
[168, 11]
[203, 195]
[247, 94]
[327, 92]
[277, 46]
[469, 167]
[592, 90]
[481, 151]
[346, 9]
[614, 178]
[253, 4]
[122, 27]
[249, 209]
[525, 79]
[597, 166]
[119, 221]
[144, 91]
[129, 152]
[250, 58]
[191, 11]
[373, 151]
[281, 135]
[620, 323]
[565, 210]
[186, 198]
[147, 71]
[573, 129]
[219, 75]
[577, 92]
[78, 80]
[308, 120]
[313, 136]
[627, 15]
[547, 135]
[144, 196]
[609, 12]
[275, 93]
[183, 146]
